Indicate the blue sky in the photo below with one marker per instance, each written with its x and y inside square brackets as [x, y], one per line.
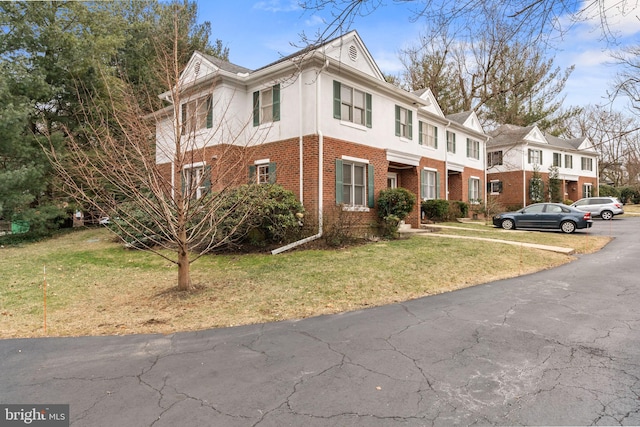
[258, 32]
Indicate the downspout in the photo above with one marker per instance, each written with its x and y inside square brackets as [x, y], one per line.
[446, 162]
[320, 171]
[524, 177]
[484, 167]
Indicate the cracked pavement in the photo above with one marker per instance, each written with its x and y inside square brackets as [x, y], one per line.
[559, 347]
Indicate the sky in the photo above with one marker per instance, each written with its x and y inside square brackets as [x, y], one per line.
[258, 32]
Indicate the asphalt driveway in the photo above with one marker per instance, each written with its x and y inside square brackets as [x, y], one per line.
[559, 347]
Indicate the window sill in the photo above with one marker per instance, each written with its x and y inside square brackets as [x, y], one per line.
[355, 209]
[354, 125]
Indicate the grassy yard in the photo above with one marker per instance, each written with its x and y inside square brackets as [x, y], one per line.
[94, 287]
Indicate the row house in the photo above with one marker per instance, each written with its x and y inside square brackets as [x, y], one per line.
[324, 124]
[515, 153]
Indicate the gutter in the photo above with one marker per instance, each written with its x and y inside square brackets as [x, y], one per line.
[320, 170]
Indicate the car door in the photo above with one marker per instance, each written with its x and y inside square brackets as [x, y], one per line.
[552, 216]
[530, 217]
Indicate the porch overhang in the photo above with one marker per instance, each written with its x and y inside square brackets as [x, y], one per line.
[566, 177]
[456, 167]
[403, 158]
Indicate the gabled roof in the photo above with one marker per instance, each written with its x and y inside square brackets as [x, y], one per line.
[512, 134]
[226, 65]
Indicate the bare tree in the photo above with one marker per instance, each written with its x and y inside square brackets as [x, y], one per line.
[171, 209]
[616, 139]
[627, 83]
[532, 20]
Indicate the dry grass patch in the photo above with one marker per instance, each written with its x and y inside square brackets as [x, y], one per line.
[97, 288]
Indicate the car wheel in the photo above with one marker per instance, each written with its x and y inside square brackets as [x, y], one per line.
[606, 215]
[508, 224]
[568, 227]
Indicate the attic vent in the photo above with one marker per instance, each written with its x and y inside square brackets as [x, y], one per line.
[196, 67]
[353, 52]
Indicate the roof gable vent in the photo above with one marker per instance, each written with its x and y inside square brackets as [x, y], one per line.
[353, 52]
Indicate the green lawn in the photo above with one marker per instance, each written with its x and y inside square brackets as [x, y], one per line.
[95, 287]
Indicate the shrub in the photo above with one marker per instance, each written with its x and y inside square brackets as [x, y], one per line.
[608, 191]
[398, 202]
[629, 195]
[394, 204]
[435, 210]
[342, 227]
[256, 215]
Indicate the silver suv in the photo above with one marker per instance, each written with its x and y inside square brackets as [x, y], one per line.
[604, 207]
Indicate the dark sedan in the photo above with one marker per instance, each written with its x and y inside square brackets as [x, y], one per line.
[545, 215]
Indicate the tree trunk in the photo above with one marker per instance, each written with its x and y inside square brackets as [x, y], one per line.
[184, 275]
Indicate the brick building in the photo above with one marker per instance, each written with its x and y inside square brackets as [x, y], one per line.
[324, 124]
[515, 153]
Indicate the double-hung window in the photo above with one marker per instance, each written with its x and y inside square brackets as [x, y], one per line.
[473, 149]
[266, 105]
[568, 161]
[587, 164]
[451, 142]
[351, 104]
[557, 160]
[587, 190]
[354, 183]
[196, 181]
[474, 190]
[404, 122]
[428, 134]
[494, 158]
[535, 157]
[196, 114]
[429, 184]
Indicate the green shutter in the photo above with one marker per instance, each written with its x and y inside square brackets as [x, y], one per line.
[209, 112]
[480, 190]
[338, 181]
[276, 103]
[454, 142]
[410, 125]
[469, 190]
[207, 179]
[337, 102]
[272, 172]
[371, 186]
[423, 180]
[252, 174]
[437, 185]
[256, 108]
[369, 116]
[397, 121]
[468, 147]
[435, 136]
[183, 183]
[420, 132]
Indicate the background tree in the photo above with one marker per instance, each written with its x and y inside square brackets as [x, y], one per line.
[615, 136]
[47, 50]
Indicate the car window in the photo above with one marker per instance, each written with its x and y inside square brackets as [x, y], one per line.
[554, 209]
[581, 202]
[533, 209]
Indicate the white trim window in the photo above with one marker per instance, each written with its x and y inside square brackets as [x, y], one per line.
[195, 182]
[404, 122]
[587, 164]
[494, 158]
[587, 190]
[473, 149]
[266, 105]
[495, 187]
[354, 184]
[535, 156]
[474, 190]
[557, 159]
[568, 161]
[428, 134]
[429, 184]
[451, 142]
[196, 115]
